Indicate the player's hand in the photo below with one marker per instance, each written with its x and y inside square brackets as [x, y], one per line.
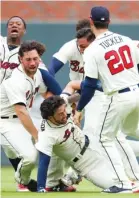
[77, 118]
[35, 139]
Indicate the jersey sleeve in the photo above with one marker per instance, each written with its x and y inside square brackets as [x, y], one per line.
[45, 143]
[15, 90]
[90, 66]
[1, 48]
[42, 87]
[64, 54]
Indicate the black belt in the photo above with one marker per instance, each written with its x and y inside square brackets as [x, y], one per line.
[9, 117]
[83, 149]
[125, 89]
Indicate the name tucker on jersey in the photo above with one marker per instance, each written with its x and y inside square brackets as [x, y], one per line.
[112, 41]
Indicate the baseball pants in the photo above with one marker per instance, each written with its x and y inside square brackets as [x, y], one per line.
[94, 167]
[93, 113]
[120, 110]
[17, 140]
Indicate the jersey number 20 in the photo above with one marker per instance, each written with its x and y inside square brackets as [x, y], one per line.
[120, 60]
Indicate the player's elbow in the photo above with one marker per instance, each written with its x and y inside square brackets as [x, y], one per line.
[72, 86]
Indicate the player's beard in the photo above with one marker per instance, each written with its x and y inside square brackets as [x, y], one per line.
[31, 72]
[59, 122]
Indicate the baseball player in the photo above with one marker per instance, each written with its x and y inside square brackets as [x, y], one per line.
[131, 168]
[16, 28]
[68, 53]
[17, 95]
[61, 136]
[113, 59]
[72, 53]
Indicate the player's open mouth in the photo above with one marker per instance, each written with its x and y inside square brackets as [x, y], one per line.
[33, 68]
[14, 31]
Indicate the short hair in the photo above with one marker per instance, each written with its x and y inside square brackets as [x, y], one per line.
[27, 46]
[84, 23]
[50, 105]
[87, 33]
[25, 25]
[101, 25]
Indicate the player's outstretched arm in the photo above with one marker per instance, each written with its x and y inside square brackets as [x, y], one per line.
[26, 120]
[50, 82]
[72, 86]
[55, 66]
[44, 161]
[47, 94]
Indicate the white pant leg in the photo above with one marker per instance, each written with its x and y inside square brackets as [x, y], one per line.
[114, 114]
[135, 146]
[56, 170]
[20, 142]
[128, 157]
[100, 174]
[95, 167]
[8, 152]
[92, 118]
[92, 113]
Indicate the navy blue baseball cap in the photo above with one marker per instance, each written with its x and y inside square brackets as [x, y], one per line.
[100, 14]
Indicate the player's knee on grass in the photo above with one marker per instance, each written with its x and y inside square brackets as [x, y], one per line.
[30, 159]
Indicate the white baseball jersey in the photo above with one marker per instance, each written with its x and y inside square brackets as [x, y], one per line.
[9, 59]
[65, 140]
[136, 43]
[113, 59]
[19, 88]
[69, 52]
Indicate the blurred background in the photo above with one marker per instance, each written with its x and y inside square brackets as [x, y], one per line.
[53, 23]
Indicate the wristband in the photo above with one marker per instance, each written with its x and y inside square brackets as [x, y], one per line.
[66, 93]
[79, 110]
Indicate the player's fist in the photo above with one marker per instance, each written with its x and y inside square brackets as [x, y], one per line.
[77, 118]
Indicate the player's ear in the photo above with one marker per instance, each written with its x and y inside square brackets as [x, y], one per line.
[50, 118]
[24, 31]
[91, 21]
[109, 21]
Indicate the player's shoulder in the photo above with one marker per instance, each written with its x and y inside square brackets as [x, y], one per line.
[122, 36]
[66, 51]
[18, 74]
[3, 39]
[136, 42]
[17, 79]
[92, 48]
[70, 44]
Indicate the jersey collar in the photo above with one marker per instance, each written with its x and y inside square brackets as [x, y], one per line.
[103, 35]
[22, 70]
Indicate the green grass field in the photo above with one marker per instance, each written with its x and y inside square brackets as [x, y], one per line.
[84, 190]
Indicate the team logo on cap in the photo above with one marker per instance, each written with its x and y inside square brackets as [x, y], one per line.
[103, 19]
